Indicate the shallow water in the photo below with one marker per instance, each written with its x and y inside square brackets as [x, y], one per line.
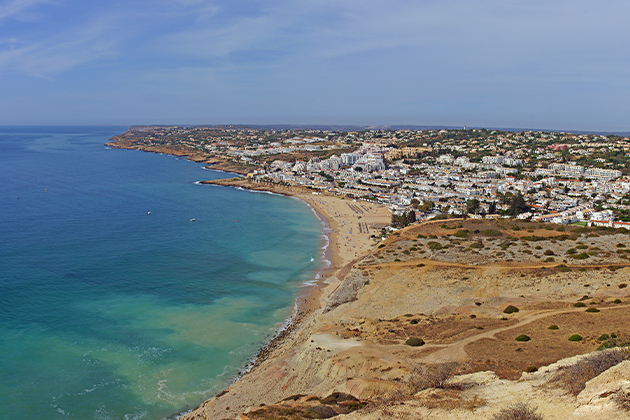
[108, 312]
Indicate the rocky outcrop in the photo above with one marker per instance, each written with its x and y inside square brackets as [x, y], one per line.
[347, 290]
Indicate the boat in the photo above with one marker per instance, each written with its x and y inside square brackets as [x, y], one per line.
[192, 220]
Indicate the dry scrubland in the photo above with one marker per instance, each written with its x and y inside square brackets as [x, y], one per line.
[457, 319]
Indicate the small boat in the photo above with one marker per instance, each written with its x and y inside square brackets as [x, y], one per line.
[148, 212]
[192, 220]
[312, 259]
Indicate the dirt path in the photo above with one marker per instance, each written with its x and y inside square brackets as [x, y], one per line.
[455, 352]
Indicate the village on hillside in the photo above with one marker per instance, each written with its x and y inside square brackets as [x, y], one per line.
[562, 178]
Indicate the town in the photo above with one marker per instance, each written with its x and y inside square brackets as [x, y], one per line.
[420, 174]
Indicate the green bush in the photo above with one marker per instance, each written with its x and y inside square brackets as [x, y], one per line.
[510, 309]
[562, 268]
[592, 310]
[461, 233]
[523, 337]
[580, 305]
[580, 256]
[617, 301]
[549, 259]
[575, 337]
[553, 327]
[623, 285]
[476, 245]
[603, 337]
[414, 342]
[435, 246]
[548, 252]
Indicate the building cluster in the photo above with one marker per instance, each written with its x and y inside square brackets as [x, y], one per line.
[563, 177]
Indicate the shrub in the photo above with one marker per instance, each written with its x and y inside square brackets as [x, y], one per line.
[603, 337]
[381, 246]
[420, 265]
[476, 245]
[622, 285]
[580, 305]
[573, 378]
[461, 233]
[413, 321]
[562, 268]
[515, 228]
[435, 246]
[519, 411]
[580, 256]
[617, 301]
[548, 252]
[523, 337]
[549, 259]
[575, 337]
[531, 369]
[592, 310]
[414, 342]
[510, 309]
[553, 327]
[427, 376]
[610, 343]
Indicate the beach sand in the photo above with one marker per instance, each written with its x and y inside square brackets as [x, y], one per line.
[348, 225]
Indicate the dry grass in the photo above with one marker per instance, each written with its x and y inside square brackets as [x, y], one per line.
[450, 399]
[422, 376]
[425, 376]
[573, 378]
[519, 411]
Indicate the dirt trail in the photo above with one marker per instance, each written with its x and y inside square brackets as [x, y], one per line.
[455, 352]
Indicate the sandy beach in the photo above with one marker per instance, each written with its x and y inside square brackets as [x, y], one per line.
[348, 225]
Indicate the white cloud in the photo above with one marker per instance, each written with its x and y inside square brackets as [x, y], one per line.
[14, 8]
[61, 52]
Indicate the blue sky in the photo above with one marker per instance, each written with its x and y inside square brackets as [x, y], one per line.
[549, 64]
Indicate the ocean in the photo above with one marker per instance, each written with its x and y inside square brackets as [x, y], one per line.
[113, 303]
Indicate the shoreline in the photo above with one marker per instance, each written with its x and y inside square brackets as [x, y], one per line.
[312, 296]
[333, 214]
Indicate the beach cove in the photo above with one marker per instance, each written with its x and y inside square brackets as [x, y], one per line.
[114, 304]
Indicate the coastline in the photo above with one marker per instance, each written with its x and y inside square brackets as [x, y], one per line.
[341, 252]
[311, 298]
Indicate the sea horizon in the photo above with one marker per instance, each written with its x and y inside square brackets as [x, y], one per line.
[134, 290]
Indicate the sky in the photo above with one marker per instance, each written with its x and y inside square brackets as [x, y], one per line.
[540, 64]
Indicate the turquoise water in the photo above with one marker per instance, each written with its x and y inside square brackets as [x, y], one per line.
[107, 312]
